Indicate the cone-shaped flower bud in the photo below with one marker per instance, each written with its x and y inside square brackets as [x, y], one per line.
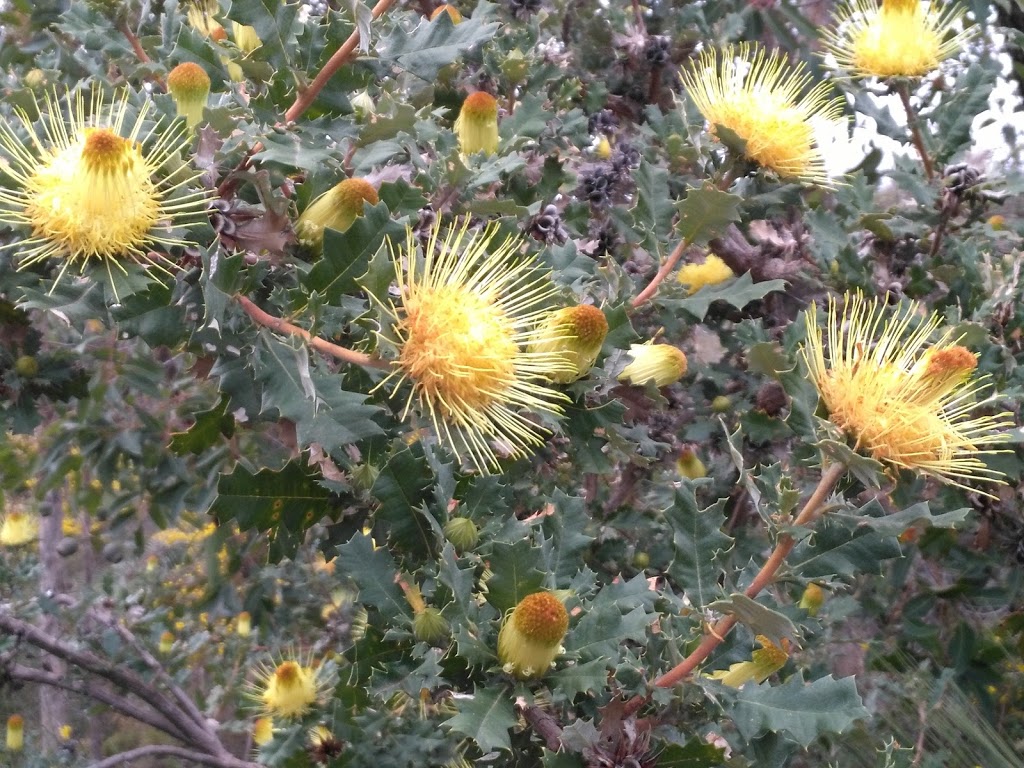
[430, 627]
[262, 731]
[15, 733]
[721, 404]
[812, 599]
[336, 209]
[166, 642]
[244, 624]
[688, 465]
[576, 333]
[531, 635]
[245, 37]
[452, 11]
[661, 363]
[477, 124]
[18, 528]
[462, 533]
[189, 85]
[764, 662]
[712, 272]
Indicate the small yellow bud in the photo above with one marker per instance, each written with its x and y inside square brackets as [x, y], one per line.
[15, 733]
[336, 209]
[26, 366]
[462, 533]
[812, 599]
[662, 364]
[764, 662]
[688, 465]
[166, 642]
[477, 124]
[602, 147]
[152, 563]
[997, 222]
[577, 333]
[262, 731]
[243, 625]
[65, 732]
[641, 560]
[721, 404]
[712, 271]
[430, 627]
[35, 78]
[452, 11]
[531, 635]
[189, 85]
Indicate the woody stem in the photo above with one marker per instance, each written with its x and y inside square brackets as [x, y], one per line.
[663, 271]
[915, 130]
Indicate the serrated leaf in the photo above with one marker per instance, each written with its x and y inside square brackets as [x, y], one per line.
[759, 618]
[517, 573]
[654, 209]
[621, 611]
[205, 431]
[346, 255]
[374, 572]
[277, 25]
[838, 549]
[864, 468]
[435, 44]
[804, 711]
[696, 753]
[705, 213]
[738, 293]
[961, 103]
[699, 544]
[580, 678]
[486, 717]
[568, 540]
[401, 488]
[874, 516]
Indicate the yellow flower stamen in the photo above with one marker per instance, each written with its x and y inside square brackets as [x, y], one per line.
[477, 124]
[288, 690]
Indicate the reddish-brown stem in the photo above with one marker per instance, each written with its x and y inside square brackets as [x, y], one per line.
[666, 267]
[915, 131]
[811, 511]
[278, 325]
[340, 57]
[133, 41]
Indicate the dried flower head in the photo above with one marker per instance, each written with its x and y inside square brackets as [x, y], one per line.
[662, 364]
[477, 124]
[765, 102]
[712, 271]
[894, 38]
[19, 528]
[904, 401]
[576, 333]
[93, 189]
[463, 321]
[288, 690]
[336, 209]
[531, 635]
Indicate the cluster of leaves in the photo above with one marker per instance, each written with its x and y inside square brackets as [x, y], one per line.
[162, 404]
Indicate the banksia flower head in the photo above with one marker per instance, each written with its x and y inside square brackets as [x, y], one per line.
[690, 466]
[430, 627]
[189, 85]
[812, 599]
[577, 334]
[19, 528]
[764, 662]
[166, 642]
[894, 38]
[201, 15]
[462, 533]
[713, 271]
[464, 318]
[289, 690]
[531, 635]
[336, 209]
[262, 731]
[477, 124]
[15, 733]
[90, 191]
[662, 364]
[762, 100]
[451, 10]
[904, 401]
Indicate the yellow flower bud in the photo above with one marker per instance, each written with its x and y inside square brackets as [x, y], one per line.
[65, 732]
[336, 209]
[661, 363]
[262, 731]
[15, 733]
[812, 599]
[577, 333]
[602, 147]
[531, 635]
[243, 625]
[997, 222]
[721, 404]
[477, 124]
[189, 85]
[765, 661]
[688, 465]
[712, 272]
[152, 563]
[166, 642]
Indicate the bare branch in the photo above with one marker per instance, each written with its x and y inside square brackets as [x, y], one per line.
[165, 750]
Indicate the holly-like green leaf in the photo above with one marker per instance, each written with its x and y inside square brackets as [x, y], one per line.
[804, 711]
[875, 517]
[737, 293]
[485, 717]
[346, 255]
[621, 611]
[401, 488]
[699, 546]
[961, 104]
[205, 431]
[580, 678]
[563, 550]
[705, 213]
[517, 573]
[653, 210]
[759, 618]
[839, 548]
[374, 572]
[277, 25]
[435, 44]
[696, 753]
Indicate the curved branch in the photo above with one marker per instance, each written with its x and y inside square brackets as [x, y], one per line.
[166, 750]
[285, 328]
[666, 267]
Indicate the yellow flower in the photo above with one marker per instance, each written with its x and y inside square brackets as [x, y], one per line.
[90, 190]
[575, 333]
[245, 37]
[288, 690]
[894, 38]
[262, 731]
[65, 732]
[336, 209]
[463, 318]
[166, 642]
[712, 272]
[812, 599]
[661, 363]
[762, 100]
[15, 733]
[477, 124]
[904, 401]
[243, 625]
[18, 528]
[531, 635]
[690, 466]
[202, 15]
[765, 661]
[189, 85]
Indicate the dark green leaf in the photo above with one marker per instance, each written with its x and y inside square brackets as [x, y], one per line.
[705, 213]
[699, 546]
[374, 572]
[485, 717]
[347, 255]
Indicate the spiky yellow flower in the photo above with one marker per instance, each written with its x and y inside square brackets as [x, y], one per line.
[766, 103]
[576, 333]
[19, 528]
[289, 690]
[465, 316]
[531, 635]
[189, 86]
[336, 209]
[95, 188]
[903, 401]
[713, 271]
[764, 662]
[662, 364]
[894, 38]
[477, 124]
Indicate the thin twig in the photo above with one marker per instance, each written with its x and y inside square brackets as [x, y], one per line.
[666, 267]
[915, 130]
[166, 750]
[284, 327]
[133, 41]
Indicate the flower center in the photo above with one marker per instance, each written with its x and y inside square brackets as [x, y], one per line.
[541, 617]
[287, 674]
